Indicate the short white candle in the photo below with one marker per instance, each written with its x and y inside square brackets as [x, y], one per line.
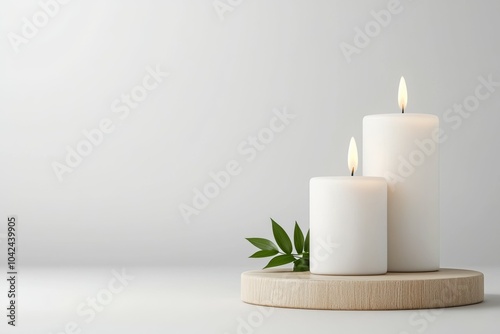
[348, 223]
[403, 148]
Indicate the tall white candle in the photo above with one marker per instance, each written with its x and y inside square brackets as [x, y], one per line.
[403, 148]
[348, 223]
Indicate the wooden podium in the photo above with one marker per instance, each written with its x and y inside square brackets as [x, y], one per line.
[392, 291]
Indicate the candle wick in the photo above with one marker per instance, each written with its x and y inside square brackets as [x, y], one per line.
[352, 172]
[403, 109]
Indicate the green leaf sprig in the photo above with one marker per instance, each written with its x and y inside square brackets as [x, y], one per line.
[284, 254]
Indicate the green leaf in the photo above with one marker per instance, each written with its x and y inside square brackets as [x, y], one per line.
[264, 253]
[298, 239]
[263, 244]
[306, 243]
[301, 265]
[280, 260]
[281, 238]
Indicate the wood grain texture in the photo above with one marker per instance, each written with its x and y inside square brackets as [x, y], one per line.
[393, 291]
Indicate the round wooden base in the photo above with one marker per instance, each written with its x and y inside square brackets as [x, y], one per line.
[393, 291]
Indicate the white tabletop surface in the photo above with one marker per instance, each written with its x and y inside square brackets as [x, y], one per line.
[206, 300]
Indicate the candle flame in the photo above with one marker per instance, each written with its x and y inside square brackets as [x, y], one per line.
[402, 94]
[352, 156]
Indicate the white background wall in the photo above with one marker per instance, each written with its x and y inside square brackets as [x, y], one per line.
[121, 203]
